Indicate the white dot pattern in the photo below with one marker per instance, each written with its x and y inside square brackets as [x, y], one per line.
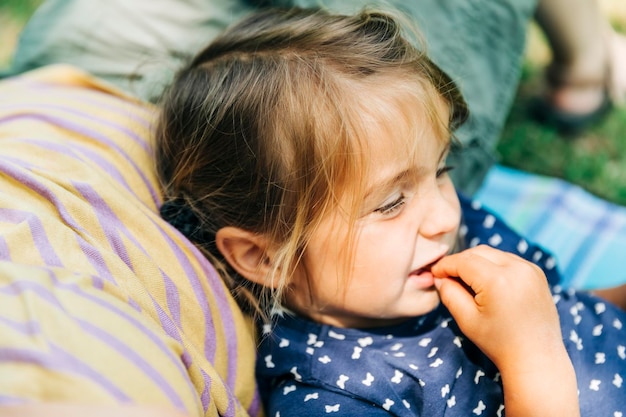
[425, 366]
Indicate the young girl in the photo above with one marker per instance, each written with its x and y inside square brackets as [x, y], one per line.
[305, 154]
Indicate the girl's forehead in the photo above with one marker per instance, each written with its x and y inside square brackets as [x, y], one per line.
[388, 126]
[406, 140]
[408, 125]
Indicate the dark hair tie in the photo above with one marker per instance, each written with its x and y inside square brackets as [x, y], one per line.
[182, 217]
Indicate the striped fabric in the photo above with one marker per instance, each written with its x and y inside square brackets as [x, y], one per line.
[101, 301]
[586, 234]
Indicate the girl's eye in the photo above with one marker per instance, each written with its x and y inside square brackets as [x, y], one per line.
[444, 170]
[391, 207]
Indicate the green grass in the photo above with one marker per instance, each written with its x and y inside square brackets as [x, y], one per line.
[19, 9]
[596, 160]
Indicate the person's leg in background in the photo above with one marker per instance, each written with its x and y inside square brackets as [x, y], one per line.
[588, 68]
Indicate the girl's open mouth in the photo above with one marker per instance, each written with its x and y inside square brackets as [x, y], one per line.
[425, 268]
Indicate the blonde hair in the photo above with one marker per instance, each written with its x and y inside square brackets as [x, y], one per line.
[262, 129]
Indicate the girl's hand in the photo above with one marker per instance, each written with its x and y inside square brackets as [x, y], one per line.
[503, 304]
[500, 301]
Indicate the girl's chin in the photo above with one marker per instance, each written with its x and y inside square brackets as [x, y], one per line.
[427, 301]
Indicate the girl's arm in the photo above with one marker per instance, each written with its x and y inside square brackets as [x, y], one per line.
[504, 305]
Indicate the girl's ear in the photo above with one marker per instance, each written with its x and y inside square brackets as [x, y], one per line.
[246, 252]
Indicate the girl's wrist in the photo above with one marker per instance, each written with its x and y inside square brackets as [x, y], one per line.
[540, 385]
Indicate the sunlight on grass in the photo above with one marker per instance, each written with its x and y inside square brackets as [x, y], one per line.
[13, 16]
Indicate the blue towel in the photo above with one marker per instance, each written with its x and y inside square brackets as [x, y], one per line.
[586, 234]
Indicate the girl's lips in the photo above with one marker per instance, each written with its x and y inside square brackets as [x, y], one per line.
[422, 278]
[425, 268]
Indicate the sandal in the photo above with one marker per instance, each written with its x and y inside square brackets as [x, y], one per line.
[569, 123]
[565, 122]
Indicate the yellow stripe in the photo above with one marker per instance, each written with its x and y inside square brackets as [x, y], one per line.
[140, 281]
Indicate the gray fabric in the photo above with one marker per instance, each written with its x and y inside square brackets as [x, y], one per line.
[138, 44]
[135, 44]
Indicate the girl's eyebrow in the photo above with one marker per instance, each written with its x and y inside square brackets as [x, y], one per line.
[390, 182]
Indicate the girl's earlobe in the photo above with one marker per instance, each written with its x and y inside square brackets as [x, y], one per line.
[246, 253]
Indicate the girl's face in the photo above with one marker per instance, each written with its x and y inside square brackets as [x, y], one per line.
[409, 218]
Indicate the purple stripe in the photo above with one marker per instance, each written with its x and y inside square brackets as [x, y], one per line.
[98, 283]
[41, 110]
[186, 359]
[210, 341]
[4, 249]
[136, 359]
[92, 118]
[18, 287]
[134, 304]
[30, 181]
[220, 297]
[22, 163]
[77, 152]
[80, 94]
[114, 227]
[215, 283]
[92, 255]
[109, 222]
[6, 399]
[78, 290]
[136, 111]
[255, 405]
[167, 323]
[38, 233]
[117, 175]
[173, 298]
[30, 327]
[93, 134]
[56, 359]
[95, 259]
[205, 396]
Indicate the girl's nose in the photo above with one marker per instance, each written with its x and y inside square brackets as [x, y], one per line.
[442, 214]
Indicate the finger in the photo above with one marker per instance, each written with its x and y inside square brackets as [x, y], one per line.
[501, 258]
[457, 299]
[496, 256]
[469, 266]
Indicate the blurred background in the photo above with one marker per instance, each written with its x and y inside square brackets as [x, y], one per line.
[596, 160]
